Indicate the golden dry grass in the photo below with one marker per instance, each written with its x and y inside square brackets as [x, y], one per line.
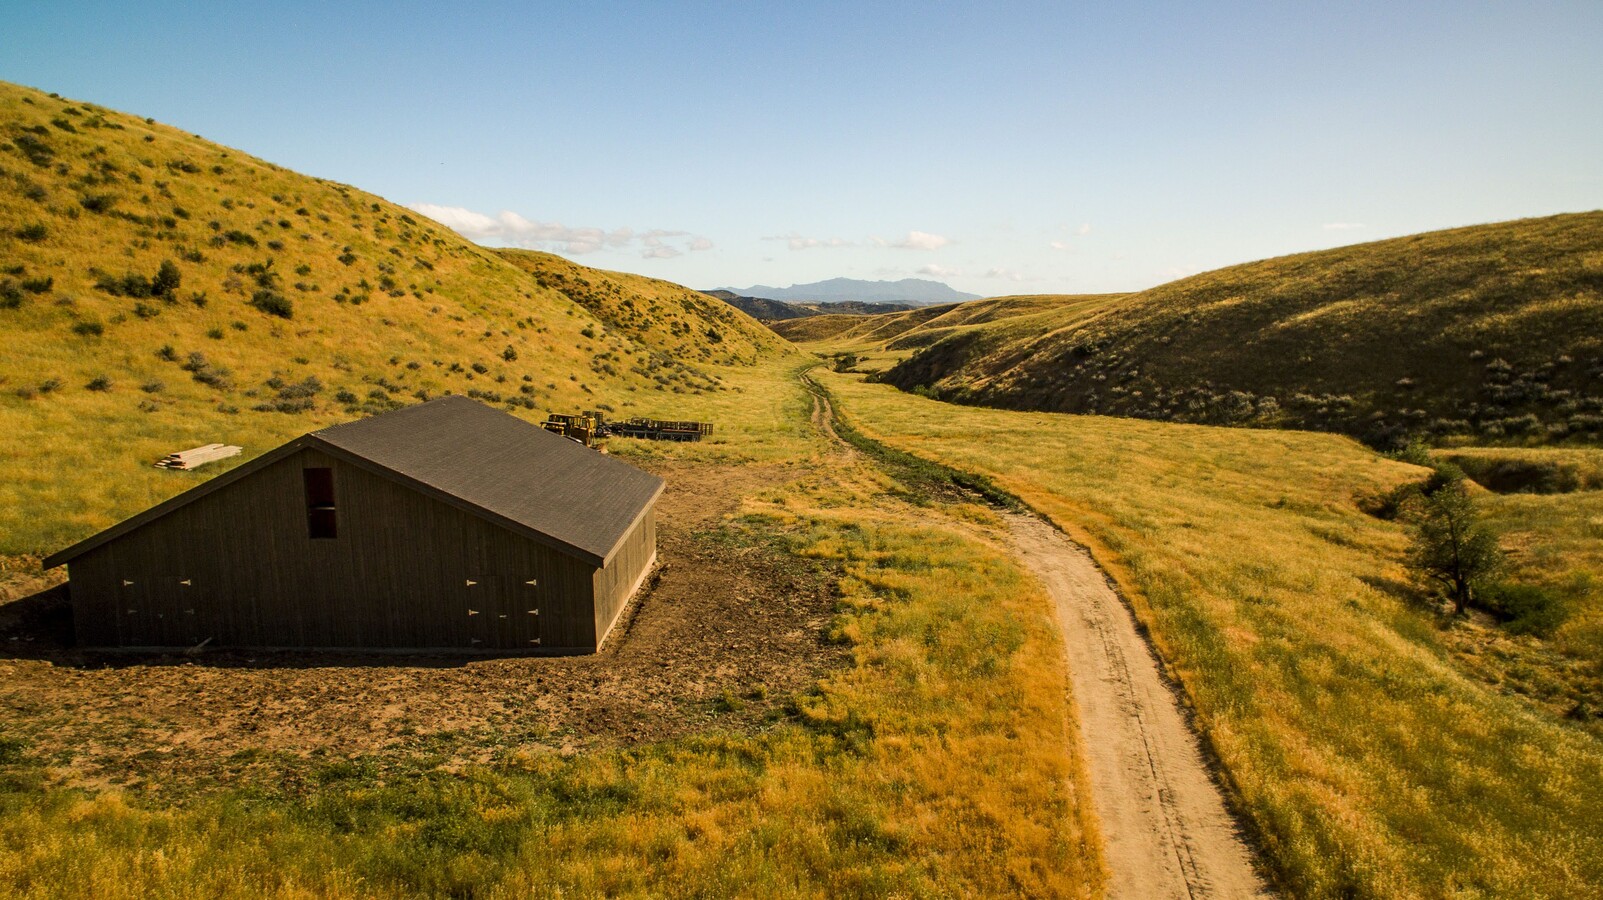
[943, 762]
[386, 307]
[1369, 764]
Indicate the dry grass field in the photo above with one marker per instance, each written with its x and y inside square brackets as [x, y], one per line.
[922, 763]
[841, 683]
[828, 691]
[1369, 761]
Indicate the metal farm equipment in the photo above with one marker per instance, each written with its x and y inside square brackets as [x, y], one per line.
[583, 428]
[590, 425]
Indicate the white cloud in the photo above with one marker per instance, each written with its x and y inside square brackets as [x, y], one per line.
[699, 244]
[510, 228]
[915, 240]
[796, 242]
[940, 271]
[1007, 274]
[1342, 226]
[1065, 244]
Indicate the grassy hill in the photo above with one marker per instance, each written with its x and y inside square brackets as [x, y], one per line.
[158, 291]
[1493, 332]
[1016, 317]
[1375, 752]
[678, 323]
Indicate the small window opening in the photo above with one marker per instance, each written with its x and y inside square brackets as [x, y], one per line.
[320, 522]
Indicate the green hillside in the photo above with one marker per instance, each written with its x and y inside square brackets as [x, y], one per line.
[158, 292]
[1493, 332]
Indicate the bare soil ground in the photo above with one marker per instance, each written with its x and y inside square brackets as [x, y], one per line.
[726, 630]
[1167, 832]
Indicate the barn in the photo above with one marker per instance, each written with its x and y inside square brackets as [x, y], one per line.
[442, 526]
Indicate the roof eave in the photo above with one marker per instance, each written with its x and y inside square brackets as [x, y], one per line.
[171, 503]
[645, 508]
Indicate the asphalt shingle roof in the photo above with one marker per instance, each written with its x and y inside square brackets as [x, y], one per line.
[503, 465]
[483, 460]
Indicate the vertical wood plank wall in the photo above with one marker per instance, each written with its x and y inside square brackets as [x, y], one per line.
[238, 567]
[616, 583]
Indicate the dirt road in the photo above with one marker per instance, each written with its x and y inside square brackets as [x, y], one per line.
[1164, 822]
[1165, 827]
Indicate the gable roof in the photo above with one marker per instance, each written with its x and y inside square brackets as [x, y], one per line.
[481, 460]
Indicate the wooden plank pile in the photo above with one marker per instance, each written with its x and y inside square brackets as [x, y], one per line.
[199, 456]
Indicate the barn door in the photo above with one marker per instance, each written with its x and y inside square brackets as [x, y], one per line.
[137, 619]
[158, 611]
[502, 614]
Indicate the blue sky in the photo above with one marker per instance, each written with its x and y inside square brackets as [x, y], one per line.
[1002, 148]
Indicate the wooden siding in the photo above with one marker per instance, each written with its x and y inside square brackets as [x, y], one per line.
[405, 572]
[616, 583]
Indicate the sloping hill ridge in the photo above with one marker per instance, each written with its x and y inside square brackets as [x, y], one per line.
[673, 320]
[995, 319]
[158, 292]
[1491, 332]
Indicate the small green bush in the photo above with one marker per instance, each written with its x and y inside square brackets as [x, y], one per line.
[1525, 608]
[273, 303]
[88, 328]
[99, 383]
[33, 233]
[167, 280]
[10, 294]
[36, 150]
[97, 203]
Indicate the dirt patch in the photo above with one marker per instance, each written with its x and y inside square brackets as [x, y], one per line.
[727, 630]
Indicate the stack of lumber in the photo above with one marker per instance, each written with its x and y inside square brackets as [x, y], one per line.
[199, 456]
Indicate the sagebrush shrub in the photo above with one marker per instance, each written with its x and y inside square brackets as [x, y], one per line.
[273, 303]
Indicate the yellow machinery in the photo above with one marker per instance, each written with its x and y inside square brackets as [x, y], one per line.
[583, 428]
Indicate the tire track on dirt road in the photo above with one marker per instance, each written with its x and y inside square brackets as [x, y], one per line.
[1165, 826]
[1166, 829]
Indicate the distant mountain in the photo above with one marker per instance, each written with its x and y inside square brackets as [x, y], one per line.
[913, 291]
[765, 310]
